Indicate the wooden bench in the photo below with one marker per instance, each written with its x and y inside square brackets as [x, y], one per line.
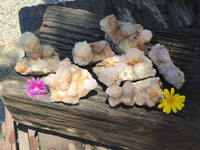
[93, 120]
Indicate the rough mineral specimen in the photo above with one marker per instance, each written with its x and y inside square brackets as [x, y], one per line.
[69, 83]
[133, 65]
[146, 92]
[161, 58]
[125, 35]
[40, 59]
[119, 94]
[84, 53]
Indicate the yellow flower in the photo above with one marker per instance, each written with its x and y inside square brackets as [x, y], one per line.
[171, 101]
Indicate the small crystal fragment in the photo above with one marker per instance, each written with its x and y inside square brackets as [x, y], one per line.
[161, 58]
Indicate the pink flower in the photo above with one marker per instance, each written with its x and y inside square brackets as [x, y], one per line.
[35, 89]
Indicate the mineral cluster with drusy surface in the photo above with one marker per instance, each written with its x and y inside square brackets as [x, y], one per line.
[161, 58]
[69, 83]
[133, 65]
[145, 92]
[125, 35]
[40, 59]
[86, 53]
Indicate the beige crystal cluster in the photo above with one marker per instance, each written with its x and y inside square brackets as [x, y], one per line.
[146, 92]
[125, 35]
[40, 59]
[69, 83]
[161, 58]
[133, 65]
[86, 53]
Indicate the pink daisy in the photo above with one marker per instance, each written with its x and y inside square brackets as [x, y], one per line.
[35, 88]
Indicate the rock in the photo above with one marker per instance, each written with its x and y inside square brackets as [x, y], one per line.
[146, 92]
[125, 35]
[161, 58]
[69, 83]
[133, 65]
[84, 53]
[87, 147]
[40, 59]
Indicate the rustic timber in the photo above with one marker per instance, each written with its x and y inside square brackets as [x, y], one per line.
[49, 141]
[23, 138]
[62, 27]
[159, 14]
[93, 119]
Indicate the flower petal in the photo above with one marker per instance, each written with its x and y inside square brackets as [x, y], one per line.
[160, 105]
[181, 98]
[161, 101]
[181, 104]
[172, 91]
[38, 79]
[40, 83]
[30, 82]
[166, 93]
[167, 109]
[33, 79]
[174, 109]
[177, 106]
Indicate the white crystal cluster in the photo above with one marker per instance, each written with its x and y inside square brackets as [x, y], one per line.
[69, 83]
[125, 35]
[40, 59]
[146, 92]
[161, 58]
[133, 65]
[86, 53]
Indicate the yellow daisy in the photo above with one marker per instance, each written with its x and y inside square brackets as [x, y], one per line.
[171, 101]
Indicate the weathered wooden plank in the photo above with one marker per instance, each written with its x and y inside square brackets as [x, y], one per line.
[63, 27]
[33, 139]
[48, 141]
[8, 129]
[93, 119]
[23, 138]
[159, 14]
[185, 52]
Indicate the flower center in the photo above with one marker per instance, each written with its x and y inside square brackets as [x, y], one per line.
[170, 100]
[36, 89]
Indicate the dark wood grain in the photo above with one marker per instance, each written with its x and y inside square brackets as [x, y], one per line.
[159, 14]
[184, 48]
[62, 27]
[93, 119]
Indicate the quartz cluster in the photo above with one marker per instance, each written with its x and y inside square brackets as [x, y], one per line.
[86, 53]
[125, 35]
[40, 59]
[145, 92]
[133, 65]
[69, 83]
[161, 58]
